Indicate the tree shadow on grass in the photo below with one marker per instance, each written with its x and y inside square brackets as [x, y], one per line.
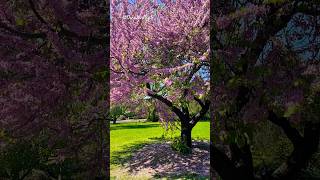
[184, 176]
[122, 157]
[160, 160]
[133, 126]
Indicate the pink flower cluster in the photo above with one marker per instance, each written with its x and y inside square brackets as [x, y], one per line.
[157, 50]
[224, 22]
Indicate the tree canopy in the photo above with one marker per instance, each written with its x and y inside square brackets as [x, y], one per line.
[265, 61]
[53, 77]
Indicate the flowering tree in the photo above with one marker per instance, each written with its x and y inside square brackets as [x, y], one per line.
[53, 82]
[265, 66]
[160, 50]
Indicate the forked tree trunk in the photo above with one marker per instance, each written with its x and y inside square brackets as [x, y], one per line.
[187, 122]
[226, 167]
[301, 154]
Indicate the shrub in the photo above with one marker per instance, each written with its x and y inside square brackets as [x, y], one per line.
[153, 116]
[180, 147]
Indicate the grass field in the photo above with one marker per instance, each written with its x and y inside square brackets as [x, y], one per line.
[123, 135]
[128, 137]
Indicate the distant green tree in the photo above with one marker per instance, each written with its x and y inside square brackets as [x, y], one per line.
[152, 114]
[116, 112]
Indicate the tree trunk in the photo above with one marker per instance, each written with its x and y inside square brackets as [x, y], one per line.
[114, 121]
[186, 135]
[301, 154]
[187, 122]
[226, 167]
[222, 164]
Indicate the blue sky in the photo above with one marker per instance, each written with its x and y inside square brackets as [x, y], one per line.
[308, 36]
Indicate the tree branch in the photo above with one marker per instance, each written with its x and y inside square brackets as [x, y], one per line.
[222, 164]
[176, 110]
[33, 8]
[272, 25]
[22, 34]
[199, 101]
[292, 133]
[25, 174]
[194, 70]
[201, 114]
[62, 32]
[68, 33]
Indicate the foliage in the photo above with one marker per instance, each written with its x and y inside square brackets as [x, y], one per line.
[264, 68]
[53, 77]
[180, 147]
[34, 159]
[116, 112]
[312, 171]
[160, 50]
[18, 160]
[270, 146]
[152, 115]
[165, 51]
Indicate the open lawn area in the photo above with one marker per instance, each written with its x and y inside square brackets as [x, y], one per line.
[126, 139]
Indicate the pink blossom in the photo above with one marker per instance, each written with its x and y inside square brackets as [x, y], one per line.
[168, 82]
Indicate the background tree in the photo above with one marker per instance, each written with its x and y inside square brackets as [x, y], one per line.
[53, 85]
[265, 64]
[116, 112]
[152, 111]
[160, 49]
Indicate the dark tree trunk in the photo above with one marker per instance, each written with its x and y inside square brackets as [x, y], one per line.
[187, 122]
[227, 169]
[114, 121]
[222, 164]
[304, 146]
[186, 136]
[301, 154]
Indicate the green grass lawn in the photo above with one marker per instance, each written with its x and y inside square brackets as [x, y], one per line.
[126, 137]
[131, 133]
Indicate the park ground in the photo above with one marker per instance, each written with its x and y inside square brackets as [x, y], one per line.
[141, 150]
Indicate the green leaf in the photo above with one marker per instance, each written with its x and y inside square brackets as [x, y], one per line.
[20, 22]
[274, 1]
[292, 109]
[234, 82]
